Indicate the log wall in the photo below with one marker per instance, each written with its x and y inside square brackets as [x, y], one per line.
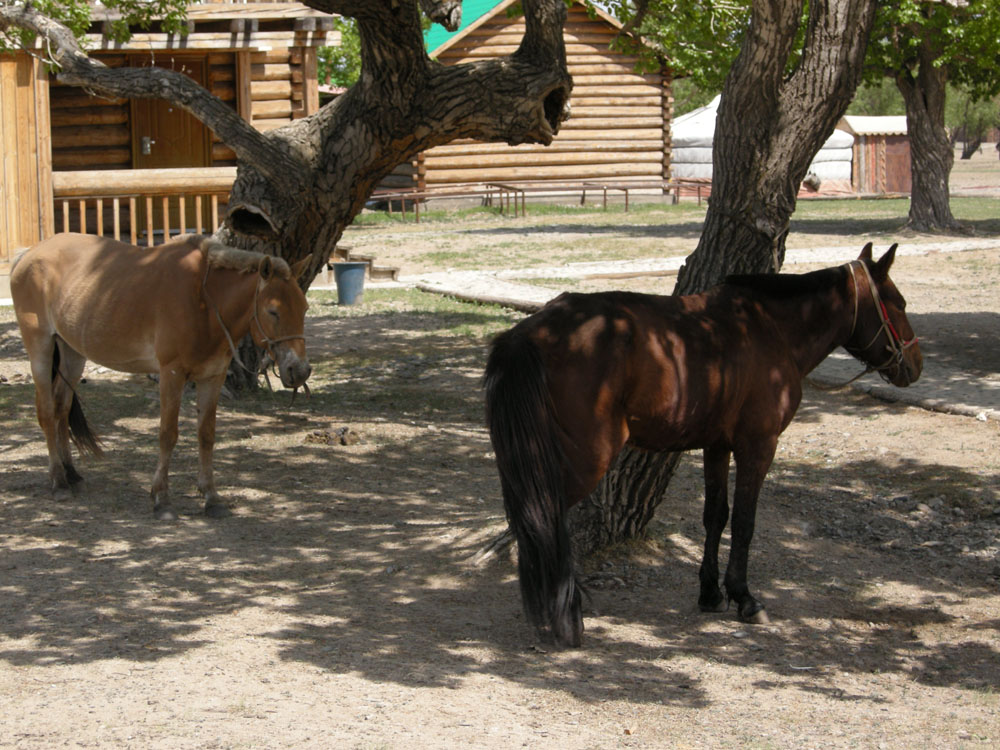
[25, 173]
[269, 89]
[619, 129]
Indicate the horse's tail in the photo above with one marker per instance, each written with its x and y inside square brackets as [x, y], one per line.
[79, 430]
[519, 414]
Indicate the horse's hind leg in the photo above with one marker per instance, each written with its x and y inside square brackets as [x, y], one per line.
[208, 400]
[716, 465]
[69, 369]
[751, 468]
[41, 348]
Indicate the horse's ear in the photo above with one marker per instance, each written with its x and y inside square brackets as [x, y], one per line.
[300, 268]
[885, 263]
[266, 268]
[866, 252]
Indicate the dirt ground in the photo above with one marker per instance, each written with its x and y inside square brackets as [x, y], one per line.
[338, 607]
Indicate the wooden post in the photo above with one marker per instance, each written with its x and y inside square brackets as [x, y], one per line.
[668, 118]
[43, 138]
[149, 221]
[244, 102]
[310, 81]
[132, 213]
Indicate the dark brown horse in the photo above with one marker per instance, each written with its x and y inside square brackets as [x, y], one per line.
[174, 310]
[569, 386]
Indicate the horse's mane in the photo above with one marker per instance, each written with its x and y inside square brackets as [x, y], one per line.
[784, 285]
[245, 261]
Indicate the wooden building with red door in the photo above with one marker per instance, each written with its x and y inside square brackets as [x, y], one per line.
[881, 154]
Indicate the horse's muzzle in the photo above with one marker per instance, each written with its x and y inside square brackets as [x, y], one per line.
[908, 369]
[293, 370]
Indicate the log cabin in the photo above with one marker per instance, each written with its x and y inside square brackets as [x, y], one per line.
[619, 128]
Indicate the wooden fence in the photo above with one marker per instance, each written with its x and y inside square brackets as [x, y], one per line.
[142, 206]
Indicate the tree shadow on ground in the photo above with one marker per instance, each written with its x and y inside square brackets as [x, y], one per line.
[359, 553]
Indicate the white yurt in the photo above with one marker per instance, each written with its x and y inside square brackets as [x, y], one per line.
[691, 155]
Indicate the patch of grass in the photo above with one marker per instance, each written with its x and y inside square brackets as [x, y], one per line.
[431, 314]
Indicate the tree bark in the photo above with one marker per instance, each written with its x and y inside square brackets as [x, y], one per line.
[624, 502]
[775, 114]
[931, 151]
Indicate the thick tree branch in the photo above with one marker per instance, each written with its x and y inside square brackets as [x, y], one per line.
[448, 13]
[76, 68]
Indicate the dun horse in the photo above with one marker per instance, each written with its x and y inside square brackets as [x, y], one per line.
[569, 386]
[174, 310]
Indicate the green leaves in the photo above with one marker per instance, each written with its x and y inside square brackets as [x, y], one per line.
[120, 17]
[963, 41]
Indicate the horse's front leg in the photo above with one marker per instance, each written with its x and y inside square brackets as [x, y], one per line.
[752, 464]
[716, 466]
[208, 400]
[171, 388]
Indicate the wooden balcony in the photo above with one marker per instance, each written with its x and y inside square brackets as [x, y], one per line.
[142, 206]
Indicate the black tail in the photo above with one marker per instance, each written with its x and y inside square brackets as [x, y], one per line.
[79, 431]
[529, 459]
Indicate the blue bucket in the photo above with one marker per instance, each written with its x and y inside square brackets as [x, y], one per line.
[350, 280]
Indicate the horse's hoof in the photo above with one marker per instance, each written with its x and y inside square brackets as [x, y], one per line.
[62, 494]
[217, 510]
[756, 615]
[164, 514]
[720, 606]
[72, 475]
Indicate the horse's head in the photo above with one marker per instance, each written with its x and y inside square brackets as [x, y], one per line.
[882, 337]
[279, 312]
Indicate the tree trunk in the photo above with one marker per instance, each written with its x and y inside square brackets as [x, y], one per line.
[931, 152]
[624, 502]
[971, 147]
[771, 124]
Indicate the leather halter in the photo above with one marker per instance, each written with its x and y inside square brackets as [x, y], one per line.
[895, 345]
[254, 318]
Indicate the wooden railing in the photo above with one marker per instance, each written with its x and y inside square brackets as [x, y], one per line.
[143, 206]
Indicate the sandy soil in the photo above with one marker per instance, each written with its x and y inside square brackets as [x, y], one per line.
[338, 607]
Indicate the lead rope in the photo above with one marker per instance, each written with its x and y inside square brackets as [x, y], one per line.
[218, 317]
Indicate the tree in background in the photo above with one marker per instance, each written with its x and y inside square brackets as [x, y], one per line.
[923, 45]
[341, 66]
[970, 120]
[877, 98]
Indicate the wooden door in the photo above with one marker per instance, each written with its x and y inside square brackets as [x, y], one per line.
[164, 136]
[897, 165]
